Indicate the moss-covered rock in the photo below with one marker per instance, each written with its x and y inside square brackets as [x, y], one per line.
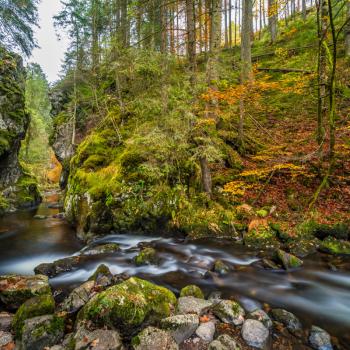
[147, 256]
[102, 249]
[288, 261]
[37, 306]
[15, 290]
[261, 236]
[192, 291]
[42, 332]
[129, 304]
[220, 267]
[334, 246]
[153, 338]
[229, 311]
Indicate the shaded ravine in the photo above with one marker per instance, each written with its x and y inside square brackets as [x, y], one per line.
[319, 293]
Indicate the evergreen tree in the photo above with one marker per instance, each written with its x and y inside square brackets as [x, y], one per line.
[17, 18]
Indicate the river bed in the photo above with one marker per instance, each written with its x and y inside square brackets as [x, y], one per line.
[319, 292]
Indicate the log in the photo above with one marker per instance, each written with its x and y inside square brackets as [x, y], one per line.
[285, 70]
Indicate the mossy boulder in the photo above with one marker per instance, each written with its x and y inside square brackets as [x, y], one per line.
[229, 311]
[191, 291]
[261, 237]
[102, 276]
[288, 261]
[42, 332]
[153, 338]
[339, 231]
[129, 304]
[102, 249]
[220, 267]
[15, 289]
[37, 306]
[334, 246]
[147, 256]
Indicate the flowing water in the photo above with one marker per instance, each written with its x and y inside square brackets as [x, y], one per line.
[319, 292]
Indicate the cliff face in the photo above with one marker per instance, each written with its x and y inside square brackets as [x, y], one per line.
[18, 188]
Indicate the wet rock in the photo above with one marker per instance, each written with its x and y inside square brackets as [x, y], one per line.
[221, 268]
[147, 256]
[224, 342]
[129, 304]
[290, 321]
[41, 332]
[262, 316]
[102, 276]
[181, 327]
[192, 291]
[191, 305]
[15, 289]
[206, 331]
[338, 231]
[5, 321]
[288, 261]
[102, 249]
[37, 306]
[229, 311]
[154, 339]
[303, 247]
[319, 339]
[55, 205]
[255, 334]
[100, 339]
[268, 264]
[6, 340]
[40, 217]
[213, 296]
[336, 247]
[78, 297]
[60, 216]
[58, 266]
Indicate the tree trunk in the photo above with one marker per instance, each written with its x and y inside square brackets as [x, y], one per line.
[322, 14]
[303, 9]
[206, 175]
[347, 31]
[246, 62]
[94, 30]
[272, 18]
[191, 39]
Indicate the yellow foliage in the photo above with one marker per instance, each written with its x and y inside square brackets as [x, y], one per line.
[54, 174]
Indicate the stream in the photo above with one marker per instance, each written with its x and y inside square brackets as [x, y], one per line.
[319, 292]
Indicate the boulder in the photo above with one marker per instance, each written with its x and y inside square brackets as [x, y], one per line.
[319, 339]
[290, 321]
[78, 297]
[206, 331]
[191, 305]
[129, 304]
[181, 327]
[5, 321]
[147, 256]
[42, 332]
[37, 306]
[15, 289]
[99, 339]
[262, 316]
[220, 267]
[255, 334]
[58, 266]
[6, 341]
[102, 276]
[288, 261]
[224, 342]
[334, 246]
[154, 339]
[229, 311]
[192, 291]
[102, 249]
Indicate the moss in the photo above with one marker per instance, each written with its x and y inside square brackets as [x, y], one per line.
[4, 204]
[261, 237]
[129, 304]
[147, 256]
[220, 267]
[263, 213]
[192, 291]
[337, 247]
[37, 306]
[102, 270]
[55, 326]
[27, 192]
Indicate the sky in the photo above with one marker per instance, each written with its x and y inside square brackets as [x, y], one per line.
[50, 53]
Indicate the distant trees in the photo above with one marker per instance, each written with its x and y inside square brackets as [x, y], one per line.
[17, 18]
